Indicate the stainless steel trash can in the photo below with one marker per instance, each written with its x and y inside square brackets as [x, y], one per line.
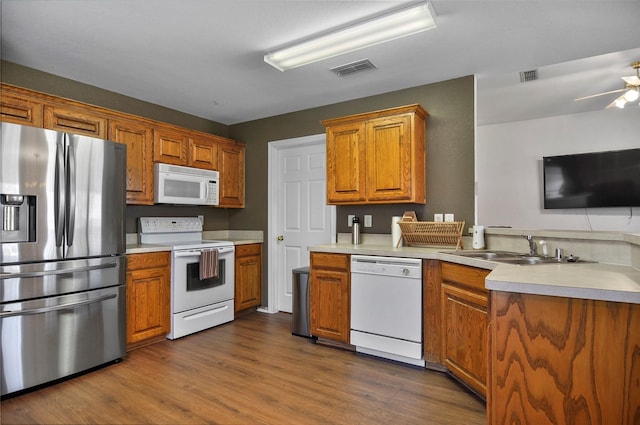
[300, 321]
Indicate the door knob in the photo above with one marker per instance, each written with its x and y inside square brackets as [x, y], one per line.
[280, 238]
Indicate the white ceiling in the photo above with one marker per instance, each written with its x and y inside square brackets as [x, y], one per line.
[205, 57]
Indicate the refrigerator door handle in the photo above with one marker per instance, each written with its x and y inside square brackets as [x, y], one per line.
[56, 307]
[71, 188]
[59, 194]
[57, 272]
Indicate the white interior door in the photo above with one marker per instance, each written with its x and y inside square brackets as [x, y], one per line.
[299, 216]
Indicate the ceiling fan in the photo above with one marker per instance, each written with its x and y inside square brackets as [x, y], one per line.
[631, 90]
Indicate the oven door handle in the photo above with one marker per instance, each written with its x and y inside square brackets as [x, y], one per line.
[194, 253]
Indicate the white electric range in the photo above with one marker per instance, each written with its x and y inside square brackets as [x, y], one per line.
[196, 303]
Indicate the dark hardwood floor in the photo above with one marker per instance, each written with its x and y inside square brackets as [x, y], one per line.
[250, 371]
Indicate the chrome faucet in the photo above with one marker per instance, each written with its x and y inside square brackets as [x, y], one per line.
[533, 248]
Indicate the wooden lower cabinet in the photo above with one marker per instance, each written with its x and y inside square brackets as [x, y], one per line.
[148, 298]
[464, 303]
[330, 304]
[431, 288]
[248, 276]
[557, 360]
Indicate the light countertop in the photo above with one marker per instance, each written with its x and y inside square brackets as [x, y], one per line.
[597, 281]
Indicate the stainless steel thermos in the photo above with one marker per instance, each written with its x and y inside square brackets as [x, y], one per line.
[355, 231]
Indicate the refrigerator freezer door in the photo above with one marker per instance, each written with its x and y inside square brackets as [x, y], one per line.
[39, 280]
[50, 338]
[96, 178]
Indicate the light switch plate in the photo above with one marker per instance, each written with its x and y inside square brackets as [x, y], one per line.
[350, 220]
[448, 217]
[367, 220]
[437, 217]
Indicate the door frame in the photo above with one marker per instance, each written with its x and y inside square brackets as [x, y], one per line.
[273, 211]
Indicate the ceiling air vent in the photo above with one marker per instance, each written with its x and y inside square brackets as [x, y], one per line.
[353, 67]
[528, 75]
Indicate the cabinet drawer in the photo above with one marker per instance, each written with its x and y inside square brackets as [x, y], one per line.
[249, 249]
[472, 277]
[330, 261]
[146, 261]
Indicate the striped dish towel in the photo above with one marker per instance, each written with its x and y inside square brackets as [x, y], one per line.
[208, 263]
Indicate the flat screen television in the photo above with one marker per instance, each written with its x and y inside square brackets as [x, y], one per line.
[592, 180]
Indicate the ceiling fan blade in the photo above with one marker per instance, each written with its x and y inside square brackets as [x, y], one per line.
[613, 104]
[632, 80]
[599, 94]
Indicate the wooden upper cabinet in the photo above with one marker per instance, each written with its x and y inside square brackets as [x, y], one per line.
[138, 137]
[147, 141]
[75, 120]
[231, 166]
[390, 173]
[346, 163]
[170, 146]
[19, 109]
[203, 153]
[377, 157]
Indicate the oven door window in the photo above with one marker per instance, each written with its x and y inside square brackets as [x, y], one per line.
[194, 283]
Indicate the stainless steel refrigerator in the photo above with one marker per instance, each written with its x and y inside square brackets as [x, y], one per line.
[62, 263]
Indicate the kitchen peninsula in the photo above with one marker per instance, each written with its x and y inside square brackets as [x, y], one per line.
[559, 341]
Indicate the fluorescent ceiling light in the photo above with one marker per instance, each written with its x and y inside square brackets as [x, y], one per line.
[400, 23]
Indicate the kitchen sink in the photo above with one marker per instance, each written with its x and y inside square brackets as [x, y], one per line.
[516, 258]
[487, 255]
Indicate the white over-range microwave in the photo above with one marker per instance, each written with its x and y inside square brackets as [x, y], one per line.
[174, 184]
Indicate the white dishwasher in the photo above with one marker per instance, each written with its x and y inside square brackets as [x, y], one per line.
[386, 307]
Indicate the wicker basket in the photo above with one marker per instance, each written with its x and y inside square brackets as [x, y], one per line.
[431, 233]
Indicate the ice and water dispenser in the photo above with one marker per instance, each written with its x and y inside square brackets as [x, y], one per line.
[18, 218]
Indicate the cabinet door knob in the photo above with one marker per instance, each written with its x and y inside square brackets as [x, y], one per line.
[280, 238]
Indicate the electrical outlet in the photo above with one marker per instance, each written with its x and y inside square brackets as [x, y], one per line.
[350, 220]
[470, 230]
[367, 220]
[437, 217]
[448, 217]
